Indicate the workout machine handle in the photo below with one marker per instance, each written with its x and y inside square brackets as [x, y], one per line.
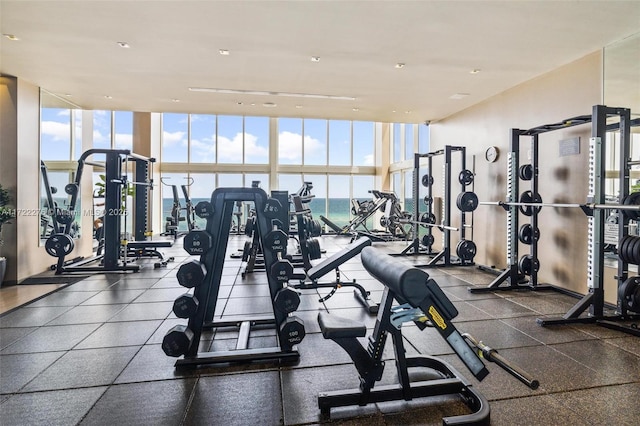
[492, 355]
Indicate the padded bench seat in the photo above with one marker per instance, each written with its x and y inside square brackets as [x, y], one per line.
[335, 327]
[338, 259]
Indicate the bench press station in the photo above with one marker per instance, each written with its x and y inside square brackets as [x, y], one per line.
[421, 300]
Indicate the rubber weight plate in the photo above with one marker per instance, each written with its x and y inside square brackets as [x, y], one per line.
[465, 177]
[629, 294]
[58, 245]
[467, 201]
[427, 180]
[632, 199]
[528, 197]
[527, 265]
[526, 172]
[622, 248]
[466, 250]
[427, 200]
[526, 235]
[428, 240]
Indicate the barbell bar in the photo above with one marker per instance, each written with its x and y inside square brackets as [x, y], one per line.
[435, 225]
[592, 206]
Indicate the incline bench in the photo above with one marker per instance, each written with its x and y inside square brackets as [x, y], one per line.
[149, 249]
[333, 263]
[421, 300]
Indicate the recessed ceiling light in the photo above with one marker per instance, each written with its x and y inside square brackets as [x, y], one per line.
[264, 93]
[11, 37]
[407, 112]
[298, 106]
[400, 65]
[315, 59]
[68, 95]
[123, 44]
[175, 100]
[356, 109]
[269, 105]
[239, 103]
[223, 52]
[108, 97]
[393, 110]
[253, 104]
[475, 71]
[458, 95]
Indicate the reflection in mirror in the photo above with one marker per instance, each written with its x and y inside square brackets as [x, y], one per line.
[60, 145]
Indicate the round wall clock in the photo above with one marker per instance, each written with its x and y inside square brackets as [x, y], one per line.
[491, 154]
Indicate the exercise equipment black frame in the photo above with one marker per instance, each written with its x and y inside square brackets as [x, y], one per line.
[593, 301]
[219, 227]
[443, 258]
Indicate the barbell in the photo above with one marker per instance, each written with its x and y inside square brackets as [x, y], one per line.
[468, 202]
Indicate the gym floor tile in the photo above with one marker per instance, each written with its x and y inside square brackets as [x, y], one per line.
[89, 285]
[496, 334]
[248, 306]
[468, 312]
[480, 279]
[501, 308]
[87, 314]
[427, 341]
[421, 411]
[120, 334]
[31, 317]
[542, 410]
[52, 338]
[620, 365]
[71, 298]
[164, 403]
[151, 364]
[555, 371]
[463, 293]
[84, 368]
[108, 297]
[542, 304]
[10, 335]
[247, 291]
[301, 387]
[63, 407]
[345, 298]
[599, 331]
[144, 311]
[160, 295]
[547, 335]
[131, 283]
[450, 281]
[629, 344]
[611, 405]
[256, 402]
[18, 370]
[316, 351]
[356, 314]
[167, 282]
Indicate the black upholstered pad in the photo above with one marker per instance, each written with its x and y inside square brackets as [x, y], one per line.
[334, 327]
[339, 258]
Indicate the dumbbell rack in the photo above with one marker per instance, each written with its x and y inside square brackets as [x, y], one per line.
[424, 246]
[218, 227]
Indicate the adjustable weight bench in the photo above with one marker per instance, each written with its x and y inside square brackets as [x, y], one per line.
[333, 263]
[422, 302]
[148, 249]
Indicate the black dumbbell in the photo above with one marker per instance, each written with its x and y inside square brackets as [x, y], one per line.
[272, 208]
[191, 274]
[177, 341]
[276, 241]
[282, 271]
[185, 306]
[198, 241]
[287, 300]
[292, 331]
[204, 209]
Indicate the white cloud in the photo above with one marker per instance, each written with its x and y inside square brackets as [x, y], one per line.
[230, 150]
[173, 138]
[368, 160]
[99, 137]
[254, 152]
[64, 113]
[58, 131]
[290, 145]
[123, 140]
[202, 150]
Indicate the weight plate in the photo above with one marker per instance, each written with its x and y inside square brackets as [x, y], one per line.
[71, 188]
[526, 234]
[427, 217]
[629, 294]
[622, 245]
[465, 177]
[59, 245]
[467, 201]
[527, 197]
[527, 265]
[466, 250]
[632, 199]
[428, 240]
[64, 217]
[632, 249]
[526, 172]
[427, 200]
[427, 180]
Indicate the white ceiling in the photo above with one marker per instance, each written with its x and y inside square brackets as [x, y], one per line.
[70, 47]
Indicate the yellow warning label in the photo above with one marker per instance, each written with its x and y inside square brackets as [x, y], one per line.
[437, 318]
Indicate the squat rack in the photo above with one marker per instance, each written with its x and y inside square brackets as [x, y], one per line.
[423, 246]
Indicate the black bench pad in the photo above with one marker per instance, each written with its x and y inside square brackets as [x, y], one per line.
[335, 327]
[148, 244]
[338, 259]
